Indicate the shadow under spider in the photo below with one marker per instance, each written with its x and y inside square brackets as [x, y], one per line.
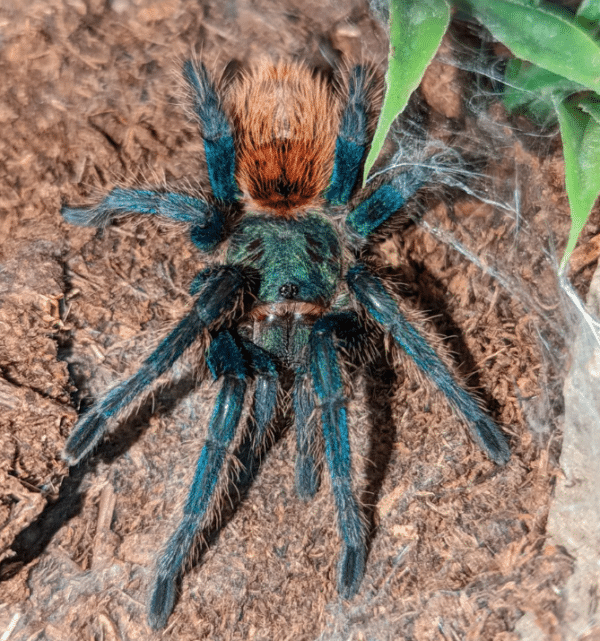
[32, 540]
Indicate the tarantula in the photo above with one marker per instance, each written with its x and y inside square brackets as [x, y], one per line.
[293, 298]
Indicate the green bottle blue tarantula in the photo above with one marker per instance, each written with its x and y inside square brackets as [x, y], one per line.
[294, 297]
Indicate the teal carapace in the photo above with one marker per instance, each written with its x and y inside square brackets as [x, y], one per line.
[299, 254]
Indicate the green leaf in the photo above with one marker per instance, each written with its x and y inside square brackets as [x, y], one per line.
[589, 10]
[416, 30]
[579, 120]
[591, 105]
[535, 90]
[546, 35]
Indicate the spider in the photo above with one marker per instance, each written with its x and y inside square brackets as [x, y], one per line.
[293, 298]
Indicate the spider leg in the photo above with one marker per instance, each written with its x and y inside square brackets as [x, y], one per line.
[226, 361]
[389, 198]
[375, 210]
[219, 293]
[351, 335]
[219, 145]
[307, 472]
[206, 221]
[352, 138]
[267, 382]
[327, 382]
[266, 385]
[372, 295]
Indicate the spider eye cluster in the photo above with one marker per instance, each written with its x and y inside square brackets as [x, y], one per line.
[289, 291]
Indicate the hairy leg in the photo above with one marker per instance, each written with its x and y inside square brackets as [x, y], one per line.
[219, 293]
[206, 222]
[327, 381]
[266, 388]
[387, 199]
[226, 361]
[371, 293]
[352, 138]
[307, 471]
[216, 132]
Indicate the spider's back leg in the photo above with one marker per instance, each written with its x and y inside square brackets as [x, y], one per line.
[217, 134]
[205, 220]
[353, 136]
[389, 197]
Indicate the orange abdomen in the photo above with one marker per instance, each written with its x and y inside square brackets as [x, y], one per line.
[286, 121]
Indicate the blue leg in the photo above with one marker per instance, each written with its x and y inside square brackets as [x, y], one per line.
[375, 210]
[307, 472]
[216, 131]
[350, 336]
[352, 138]
[219, 293]
[265, 392]
[226, 361]
[371, 293]
[389, 198]
[205, 220]
[327, 382]
[264, 403]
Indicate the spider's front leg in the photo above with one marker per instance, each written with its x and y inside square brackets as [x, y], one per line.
[219, 293]
[327, 382]
[227, 362]
[373, 296]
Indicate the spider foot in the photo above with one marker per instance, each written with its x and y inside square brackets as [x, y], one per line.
[351, 569]
[84, 437]
[491, 439]
[307, 477]
[161, 602]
